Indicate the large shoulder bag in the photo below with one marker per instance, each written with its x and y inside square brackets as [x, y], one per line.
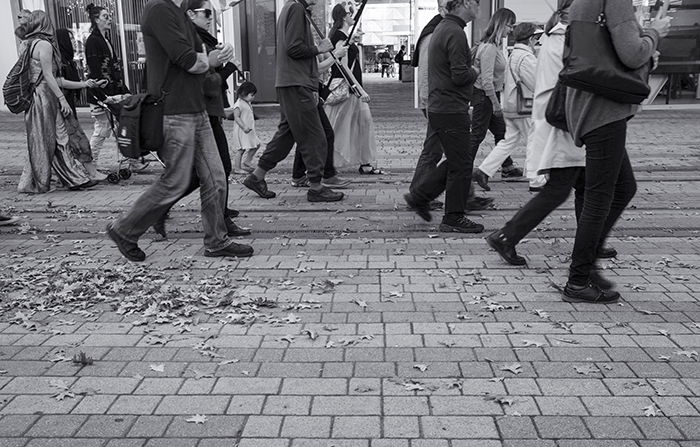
[524, 96]
[140, 129]
[18, 89]
[591, 64]
[555, 113]
[339, 89]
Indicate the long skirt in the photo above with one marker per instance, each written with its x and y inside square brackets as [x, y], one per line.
[48, 146]
[352, 123]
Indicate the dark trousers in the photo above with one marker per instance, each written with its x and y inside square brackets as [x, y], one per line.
[299, 168]
[300, 123]
[385, 69]
[484, 120]
[610, 186]
[555, 192]
[452, 175]
[429, 157]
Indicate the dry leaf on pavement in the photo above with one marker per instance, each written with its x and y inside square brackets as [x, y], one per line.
[197, 419]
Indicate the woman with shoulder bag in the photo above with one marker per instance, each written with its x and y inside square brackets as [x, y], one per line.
[520, 78]
[350, 118]
[600, 124]
[551, 151]
[487, 114]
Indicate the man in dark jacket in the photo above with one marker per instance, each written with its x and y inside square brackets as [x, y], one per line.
[450, 83]
[399, 59]
[297, 81]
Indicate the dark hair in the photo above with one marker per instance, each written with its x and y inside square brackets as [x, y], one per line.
[523, 31]
[246, 89]
[500, 19]
[94, 14]
[451, 5]
[338, 15]
[20, 32]
[561, 14]
[192, 4]
[65, 44]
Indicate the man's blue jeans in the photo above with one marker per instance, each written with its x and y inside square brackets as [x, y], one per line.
[188, 142]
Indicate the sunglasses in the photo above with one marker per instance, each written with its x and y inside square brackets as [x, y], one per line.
[207, 12]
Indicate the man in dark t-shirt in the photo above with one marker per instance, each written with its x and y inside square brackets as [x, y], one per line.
[177, 62]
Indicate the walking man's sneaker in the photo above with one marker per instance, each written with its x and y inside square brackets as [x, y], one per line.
[130, 250]
[233, 250]
[259, 186]
[324, 195]
[499, 242]
[335, 182]
[460, 225]
[511, 172]
[422, 209]
[481, 179]
[590, 293]
[302, 182]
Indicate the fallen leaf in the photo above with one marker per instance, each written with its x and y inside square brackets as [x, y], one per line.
[228, 362]
[586, 370]
[287, 338]
[542, 314]
[413, 386]
[197, 419]
[497, 379]
[447, 344]
[663, 332]
[651, 410]
[515, 368]
[664, 358]
[158, 368]
[503, 400]
[693, 355]
[312, 335]
[527, 343]
[648, 312]
[567, 340]
[200, 374]
[361, 303]
[421, 367]
[364, 389]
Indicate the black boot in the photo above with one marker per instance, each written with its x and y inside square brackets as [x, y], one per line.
[499, 242]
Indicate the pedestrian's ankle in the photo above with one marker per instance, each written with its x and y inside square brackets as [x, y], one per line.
[259, 173]
[315, 186]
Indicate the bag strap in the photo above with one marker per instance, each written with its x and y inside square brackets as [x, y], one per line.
[29, 61]
[510, 66]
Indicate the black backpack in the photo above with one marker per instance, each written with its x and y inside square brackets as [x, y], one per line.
[18, 90]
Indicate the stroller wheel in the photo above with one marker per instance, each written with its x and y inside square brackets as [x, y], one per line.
[113, 177]
[125, 173]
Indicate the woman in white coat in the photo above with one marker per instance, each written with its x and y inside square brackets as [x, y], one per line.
[551, 151]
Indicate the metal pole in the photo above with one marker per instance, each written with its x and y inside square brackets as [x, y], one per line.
[122, 37]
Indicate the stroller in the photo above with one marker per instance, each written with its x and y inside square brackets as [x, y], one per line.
[113, 105]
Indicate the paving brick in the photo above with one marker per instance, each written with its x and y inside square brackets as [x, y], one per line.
[55, 426]
[375, 369]
[688, 426]
[31, 404]
[214, 427]
[287, 405]
[572, 387]
[163, 385]
[561, 427]
[100, 426]
[657, 428]
[675, 406]
[365, 386]
[246, 405]
[126, 443]
[134, 405]
[107, 385]
[262, 442]
[414, 405]
[458, 427]
[476, 443]
[561, 406]
[306, 426]
[149, 426]
[517, 427]
[597, 443]
[463, 405]
[262, 427]
[400, 427]
[97, 404]
[389, 443]
[190, 442]
[16, 425]
[193, 405]
[350, 405]
[612, 427]
[356, 427]
[311, 386]
[66, 442]
[528, 443]
[616, 406]
[326, 443]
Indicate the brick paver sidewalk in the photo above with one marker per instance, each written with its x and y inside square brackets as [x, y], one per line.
[355, 324]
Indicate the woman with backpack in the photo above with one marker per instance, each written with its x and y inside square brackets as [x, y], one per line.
[486, 100]
[47, 134]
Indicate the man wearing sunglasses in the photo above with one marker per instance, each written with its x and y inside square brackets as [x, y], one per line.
[176, 63]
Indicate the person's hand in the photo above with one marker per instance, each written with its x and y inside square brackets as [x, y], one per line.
[65, 107]
[248, 130]
[226, 52]
[364, 97]
[340, 51]
[102, 83]
[662, 25]
[497, 111]
[324, 46]
[655, 59]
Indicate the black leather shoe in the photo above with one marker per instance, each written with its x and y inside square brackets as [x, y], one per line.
[511, 172]
[159, 227]
[476, 203]
[589, 294]
[229, 212]
[259, 186]
[499, 242]
[481, 178]
[460, 225]
[607, 253]
[234, 230]
[234, 250]
[436, 205]
[131, 251]
[596, 278]
[324, 195]
[422, 209]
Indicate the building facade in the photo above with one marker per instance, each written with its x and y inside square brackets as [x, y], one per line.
[250, 26]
